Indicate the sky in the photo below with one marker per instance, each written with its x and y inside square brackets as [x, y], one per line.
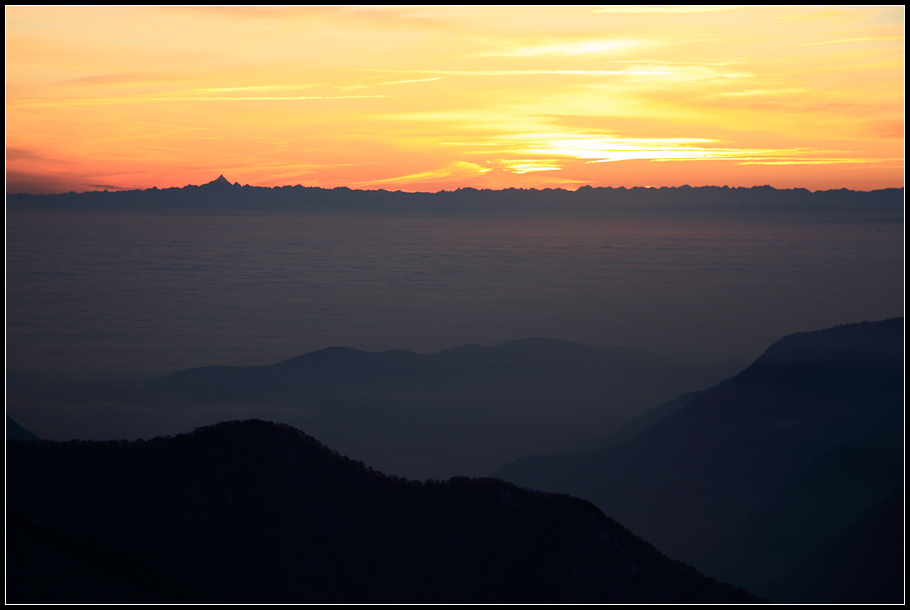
[427, 99]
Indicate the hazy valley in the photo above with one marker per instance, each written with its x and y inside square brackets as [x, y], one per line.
[779, 476]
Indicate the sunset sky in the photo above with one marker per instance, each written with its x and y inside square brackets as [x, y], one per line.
[425, 99]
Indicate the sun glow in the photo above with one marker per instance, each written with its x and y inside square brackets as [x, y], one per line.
[425, 98]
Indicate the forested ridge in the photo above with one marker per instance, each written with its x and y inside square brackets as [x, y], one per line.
[258, 512]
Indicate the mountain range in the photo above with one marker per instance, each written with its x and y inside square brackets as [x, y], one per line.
[223, 197]
[785, 479]
[754, 477]
[464, 411]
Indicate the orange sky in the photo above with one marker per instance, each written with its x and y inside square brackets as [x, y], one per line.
[425, 99]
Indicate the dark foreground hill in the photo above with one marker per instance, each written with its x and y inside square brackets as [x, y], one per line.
[764, 470]
[258, 512]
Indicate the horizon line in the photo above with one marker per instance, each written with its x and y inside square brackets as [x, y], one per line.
[223, 182]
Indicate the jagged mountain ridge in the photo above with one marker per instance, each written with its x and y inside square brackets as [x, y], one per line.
[258, 512]
[221, 195]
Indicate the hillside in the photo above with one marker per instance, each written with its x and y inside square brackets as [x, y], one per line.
[463, 411]
[763, 469]
[258, 512]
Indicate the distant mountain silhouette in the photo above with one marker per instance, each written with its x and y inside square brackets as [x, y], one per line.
[647, 419]
[464, 411]
[763, 469]
[220, 182]
[246, 512]
[15, 432]
[221, 196]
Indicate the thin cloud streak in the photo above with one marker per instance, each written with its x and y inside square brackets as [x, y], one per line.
[262, 88]
[849, 40]
[672, 10]
[138, 100]
[307, 93]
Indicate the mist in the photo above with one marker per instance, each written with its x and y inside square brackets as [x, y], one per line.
[107, 286]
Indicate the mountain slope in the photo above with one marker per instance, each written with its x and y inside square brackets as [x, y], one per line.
[694, 482]
[258, 512]
[864, 564]
[15, 432]
[464, 411]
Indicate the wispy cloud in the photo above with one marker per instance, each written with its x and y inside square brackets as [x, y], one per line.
[569, 49]
[676, 71]
[836, 16]
[525, 166]
[811, 161]
[440, 94]
[469, 144]
[455, 169]
[760, 92]
[100, 101]
[116, 79]
[386, 83]
[850, 40]
[611, 149]
[261, 88]
[412, 80]
[666, 9]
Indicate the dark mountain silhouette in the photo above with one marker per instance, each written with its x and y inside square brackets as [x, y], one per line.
[763, 469]
[463, 411]
[221, 196]
[828, 496]
[864, 564]
[258, 512]
[15, 432]
[219, 183]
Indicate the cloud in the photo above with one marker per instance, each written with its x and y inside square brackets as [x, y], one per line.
[756, 92]
[15, 153]
[850, 40]
[456, 169]
[100, 101]
[511, 72]
[582, 47]
[524, 166]
[262, 88]
[665, 9]
[614, 148]
[810, 161]
[255, 12]
[887, 129]
[110, 187]
[407, 17]
[116, 78]
[676, 71]
[837, 16]
[385, 83]
[679, 73]
[45, 183]
[413, 80]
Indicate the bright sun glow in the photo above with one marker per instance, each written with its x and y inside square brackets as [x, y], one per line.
[430, 98]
